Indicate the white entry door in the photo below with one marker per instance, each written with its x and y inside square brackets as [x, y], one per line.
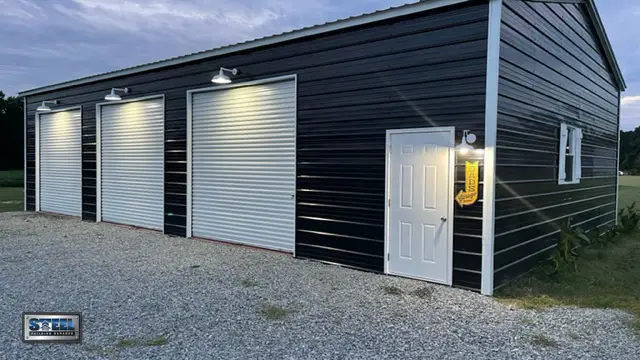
[420, 190]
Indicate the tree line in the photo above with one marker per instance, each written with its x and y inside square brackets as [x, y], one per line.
[630, 150]
[11, 133]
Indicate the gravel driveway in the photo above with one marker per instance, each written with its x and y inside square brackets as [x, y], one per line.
[145, 295]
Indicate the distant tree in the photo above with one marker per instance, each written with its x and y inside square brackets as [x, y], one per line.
[11, 133]
[629, 149]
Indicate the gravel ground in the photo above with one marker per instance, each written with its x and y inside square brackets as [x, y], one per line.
[217, 301]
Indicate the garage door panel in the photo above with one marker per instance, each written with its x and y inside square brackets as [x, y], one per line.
[257, 100]
[236, 235]
[243, 165]
[60, 137]
[132, 163]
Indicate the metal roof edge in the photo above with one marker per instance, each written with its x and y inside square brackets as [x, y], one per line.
[380, 15]
[606, 44]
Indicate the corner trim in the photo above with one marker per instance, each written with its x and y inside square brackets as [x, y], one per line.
[618, 160]
[24, 154]
[490, 134]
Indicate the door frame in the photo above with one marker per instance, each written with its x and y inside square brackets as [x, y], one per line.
[38, 114]
[450, 195]
[291, 77]
[99, 146]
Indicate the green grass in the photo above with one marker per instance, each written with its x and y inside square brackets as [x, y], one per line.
[392, 290]
[11, 194]
[12, 178]
[156, 341]
[607, 277]
[543, 340]
[249, 283]
[629, 190]
[275, 313]
[11, 199]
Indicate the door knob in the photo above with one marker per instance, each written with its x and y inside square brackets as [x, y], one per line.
[443, 219]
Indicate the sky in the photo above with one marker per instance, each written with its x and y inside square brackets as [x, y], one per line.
[50, 41]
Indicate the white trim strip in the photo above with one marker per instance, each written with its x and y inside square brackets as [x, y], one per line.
[537, 209]
[618, 161]
[604, 40]
[265, 41]
[554, 232]
[24, 154]
[37, 161]
[552, 220]
[490, 134]
[98, 164]
[552, 193]
[189, 163]
[295, 162]
[543, 250]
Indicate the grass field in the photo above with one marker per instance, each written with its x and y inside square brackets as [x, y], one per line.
[607, 277]
[629, 190]
[11, 195]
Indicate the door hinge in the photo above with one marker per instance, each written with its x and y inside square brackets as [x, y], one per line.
[389, 148]
[388, 256]
[389, 202]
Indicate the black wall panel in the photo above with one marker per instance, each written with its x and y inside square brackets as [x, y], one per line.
[552, 69]
[418, 71]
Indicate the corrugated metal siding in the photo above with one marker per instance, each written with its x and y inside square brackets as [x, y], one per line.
[131, 144]
[244, 165]
[60, 163]
[552, 69]
[422, 70]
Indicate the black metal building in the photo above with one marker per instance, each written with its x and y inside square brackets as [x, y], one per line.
[352, 142]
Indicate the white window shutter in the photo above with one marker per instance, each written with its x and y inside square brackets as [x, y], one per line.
[577, 170]
[562, 175]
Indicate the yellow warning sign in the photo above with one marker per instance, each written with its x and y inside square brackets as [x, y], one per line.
[470, 193]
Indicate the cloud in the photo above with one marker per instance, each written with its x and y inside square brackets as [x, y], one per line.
[630, 112]
[629, 100]
[20, 11]
[177, 19]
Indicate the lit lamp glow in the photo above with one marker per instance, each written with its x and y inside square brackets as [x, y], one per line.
[221, 78]
[112, 96]
[44, 107]
[467, 139]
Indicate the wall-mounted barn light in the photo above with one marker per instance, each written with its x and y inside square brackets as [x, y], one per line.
[467, 139]
[44, 106]
[112, 96]
[221, 78]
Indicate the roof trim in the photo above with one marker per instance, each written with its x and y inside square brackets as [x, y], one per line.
[390, 13]
[604, 40]
[265, 41]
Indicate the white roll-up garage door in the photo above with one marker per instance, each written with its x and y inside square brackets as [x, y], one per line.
[132, 163]
[243, 165]
[60, 162]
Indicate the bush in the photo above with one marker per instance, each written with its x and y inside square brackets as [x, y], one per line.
[628, 219]
[571, 239]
